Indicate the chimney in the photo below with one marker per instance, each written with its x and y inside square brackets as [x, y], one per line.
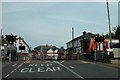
[84, 32]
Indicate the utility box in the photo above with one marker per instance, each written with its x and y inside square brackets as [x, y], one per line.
[116, 52]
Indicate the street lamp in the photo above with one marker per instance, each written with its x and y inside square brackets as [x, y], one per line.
[110, 36]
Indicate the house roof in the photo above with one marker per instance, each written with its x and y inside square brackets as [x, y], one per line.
[26, 44]
[45, 48]
[87, 35]
[50, 51]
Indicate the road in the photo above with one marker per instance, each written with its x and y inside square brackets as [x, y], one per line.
[51, 69]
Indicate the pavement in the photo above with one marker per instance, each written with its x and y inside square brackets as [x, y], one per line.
[0, 68]
[115, 62]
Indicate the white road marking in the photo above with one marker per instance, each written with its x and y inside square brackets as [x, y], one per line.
[36, 64]
[7, 75]
[71, 67]
[71, 70]
[62, 61]
[18, 67]
[24, 70]
[51, 64]
[14, 69]
[12, 72]
[47, 64]
[14, 65]
[41, 64]
[31, 65]
[40, 69]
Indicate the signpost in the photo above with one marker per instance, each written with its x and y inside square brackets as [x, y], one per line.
[12, 50]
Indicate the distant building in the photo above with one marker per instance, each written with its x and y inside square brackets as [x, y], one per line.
[22, 49]
[45, 48]
[49, 52]
[22, 46]
[16, 48]
[78, 43]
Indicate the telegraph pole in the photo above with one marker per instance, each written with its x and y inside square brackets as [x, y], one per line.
[110, 36]
[0, 41]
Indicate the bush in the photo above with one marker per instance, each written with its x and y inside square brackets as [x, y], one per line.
[106, 58]
[111, 56]
[82, 57]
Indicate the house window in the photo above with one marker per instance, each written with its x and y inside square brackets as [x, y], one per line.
[21, 47]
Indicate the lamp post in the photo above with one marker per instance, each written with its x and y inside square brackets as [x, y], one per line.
[110, 36]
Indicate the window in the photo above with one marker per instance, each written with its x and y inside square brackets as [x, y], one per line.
[21, 47]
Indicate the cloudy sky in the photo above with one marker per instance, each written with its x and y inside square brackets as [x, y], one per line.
[51, 22]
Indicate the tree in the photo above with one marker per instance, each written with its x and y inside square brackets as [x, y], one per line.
[107, 35]
[62, 49]
[117, 32]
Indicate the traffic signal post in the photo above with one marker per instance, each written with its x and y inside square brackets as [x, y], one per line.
[10, 40]
[98, 40]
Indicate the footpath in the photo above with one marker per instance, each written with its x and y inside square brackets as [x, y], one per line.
[0, 68]
[115, 63]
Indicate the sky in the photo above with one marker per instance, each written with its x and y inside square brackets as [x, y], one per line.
[41, 23]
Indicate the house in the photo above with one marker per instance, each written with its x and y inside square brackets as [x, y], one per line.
[77, 44]
[22, 49]
[49, 52]
[16, 46]
[22, 46]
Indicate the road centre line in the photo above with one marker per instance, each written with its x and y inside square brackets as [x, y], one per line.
[14, 65]
[7, 75]
[62, 61]
[70, 70]
[18, 66]
[14, 69]
[71, 67]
